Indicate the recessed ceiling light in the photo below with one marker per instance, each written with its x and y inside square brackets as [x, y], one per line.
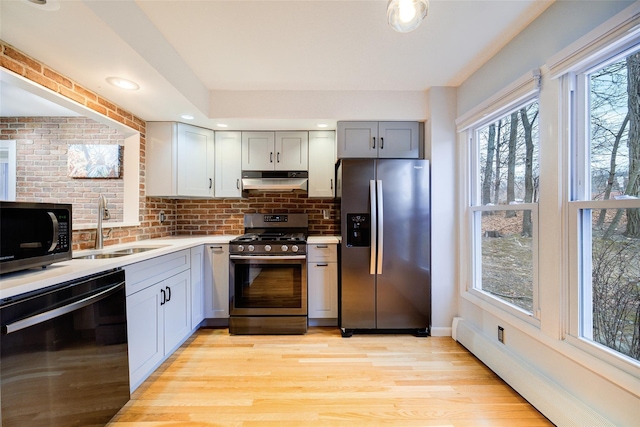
[123, 83]
[187, 116]
[322, 125]
[222, 125]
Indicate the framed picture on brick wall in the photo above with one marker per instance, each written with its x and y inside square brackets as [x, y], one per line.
[94, 161]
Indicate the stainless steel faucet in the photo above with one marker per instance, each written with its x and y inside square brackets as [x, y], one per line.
[103, 213]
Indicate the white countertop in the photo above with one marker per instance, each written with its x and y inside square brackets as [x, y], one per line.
[12, 284]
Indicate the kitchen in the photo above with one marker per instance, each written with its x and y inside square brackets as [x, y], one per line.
[415, 107]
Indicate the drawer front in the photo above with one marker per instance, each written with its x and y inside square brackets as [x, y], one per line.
[322, 253]
[146, 273]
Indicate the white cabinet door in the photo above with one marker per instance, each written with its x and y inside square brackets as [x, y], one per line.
[265, 151]
[228, 170]
[179, 160]
[322, 149]
[195, 161]
[357, 139]
[398, 140]
[258, 151]
[145, 323]
[177, 309]
[197, 286]
[292, 151]
[217, 292]
[323, 290]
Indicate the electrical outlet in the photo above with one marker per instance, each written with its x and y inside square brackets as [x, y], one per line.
[161, 216]
[325, 214]
[501, 334]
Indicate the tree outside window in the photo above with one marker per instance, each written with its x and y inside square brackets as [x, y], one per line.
[610, 230]
[504, 207]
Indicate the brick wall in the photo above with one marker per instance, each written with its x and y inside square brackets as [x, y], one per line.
[197, 217]
[41, 146]
[32, 69]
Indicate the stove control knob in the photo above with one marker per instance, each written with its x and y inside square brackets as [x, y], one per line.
[251, 248]
[240, 248]
[285, 248]
[267, 248]
[294, 248]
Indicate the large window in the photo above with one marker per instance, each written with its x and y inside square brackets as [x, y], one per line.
[605, 205]
[503, 208]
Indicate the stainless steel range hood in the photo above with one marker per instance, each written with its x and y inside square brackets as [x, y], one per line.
[275, 180]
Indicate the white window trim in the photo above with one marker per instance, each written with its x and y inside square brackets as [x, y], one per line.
[606, 42]
[523, 91]
[517, 93]
[9, 146]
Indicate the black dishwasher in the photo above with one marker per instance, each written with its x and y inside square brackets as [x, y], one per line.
[63, 353]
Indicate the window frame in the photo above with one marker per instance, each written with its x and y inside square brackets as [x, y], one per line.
[578, 203]
[473, 208]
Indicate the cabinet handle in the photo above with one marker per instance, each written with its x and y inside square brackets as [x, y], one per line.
[169, 292]
[322, 265]
[210, 183]
[322, 246]
[278, 157]
[271, 157]
[215, 247]
[331, 183]
[374, 142]
[164, 297]
[381, 143]
[238, 183]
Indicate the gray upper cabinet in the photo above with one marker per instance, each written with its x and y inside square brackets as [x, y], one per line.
[263, 151]
[391, 140]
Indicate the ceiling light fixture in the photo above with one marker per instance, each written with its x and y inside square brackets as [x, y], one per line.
[123, 83]
[322, 125]
[222, 125]
[406, 15]
[187, 116]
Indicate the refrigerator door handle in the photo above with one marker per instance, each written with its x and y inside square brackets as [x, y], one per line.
[380, 226]
[374, 226]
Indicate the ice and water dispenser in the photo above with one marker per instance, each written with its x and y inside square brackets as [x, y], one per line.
[358, 230]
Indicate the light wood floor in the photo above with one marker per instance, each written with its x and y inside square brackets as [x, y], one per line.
[322, 379]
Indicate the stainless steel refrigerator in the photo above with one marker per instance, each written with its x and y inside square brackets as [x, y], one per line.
[386, 245]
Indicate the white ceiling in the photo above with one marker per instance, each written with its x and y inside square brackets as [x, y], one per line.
[186, 55]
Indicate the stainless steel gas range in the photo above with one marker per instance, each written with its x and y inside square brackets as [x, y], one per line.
[268, 275]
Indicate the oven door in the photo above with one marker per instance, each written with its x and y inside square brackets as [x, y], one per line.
[268, 285]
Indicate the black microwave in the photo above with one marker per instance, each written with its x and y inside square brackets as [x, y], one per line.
[33, 235]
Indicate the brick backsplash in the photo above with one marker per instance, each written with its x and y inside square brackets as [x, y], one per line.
[225, 216]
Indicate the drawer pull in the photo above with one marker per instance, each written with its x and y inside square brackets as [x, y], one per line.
[322, 246]
[322, 265]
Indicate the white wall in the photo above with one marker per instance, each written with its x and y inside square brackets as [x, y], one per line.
[557, 27]
[440, 145]
[563, 382]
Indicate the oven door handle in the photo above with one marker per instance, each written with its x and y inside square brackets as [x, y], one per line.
[57, 312]
[268, 257]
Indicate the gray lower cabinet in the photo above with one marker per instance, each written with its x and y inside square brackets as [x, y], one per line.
[322, 283]
[158, 311]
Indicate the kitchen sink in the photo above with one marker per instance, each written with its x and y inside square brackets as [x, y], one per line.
[119, 252]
